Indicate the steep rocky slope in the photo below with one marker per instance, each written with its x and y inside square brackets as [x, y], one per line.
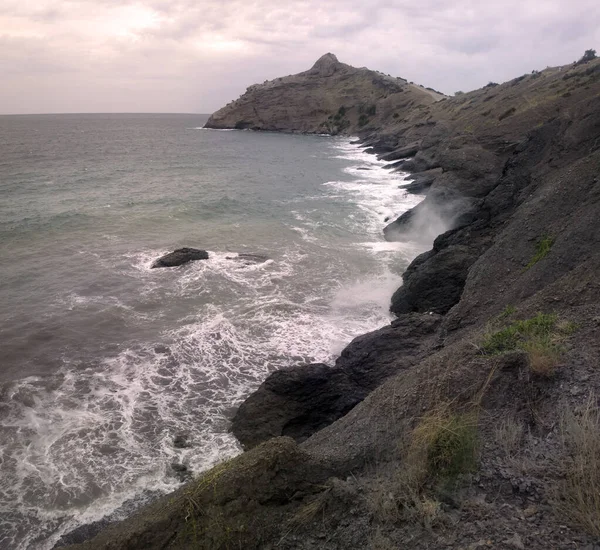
[331, 97]
[471, 421]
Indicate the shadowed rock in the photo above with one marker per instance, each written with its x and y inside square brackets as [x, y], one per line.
[300, 401]
[180, 256]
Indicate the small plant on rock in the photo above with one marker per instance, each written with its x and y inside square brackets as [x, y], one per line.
[542, 249]
[539, 337]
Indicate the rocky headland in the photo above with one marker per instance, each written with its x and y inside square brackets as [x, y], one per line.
[472, 420]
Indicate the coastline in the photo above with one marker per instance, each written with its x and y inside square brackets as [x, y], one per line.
[87, 531]
[500, 189]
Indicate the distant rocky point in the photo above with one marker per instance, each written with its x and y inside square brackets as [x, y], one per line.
[330, 98]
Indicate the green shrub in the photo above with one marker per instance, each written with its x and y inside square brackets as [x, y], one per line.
[363, 119]
[507, 312]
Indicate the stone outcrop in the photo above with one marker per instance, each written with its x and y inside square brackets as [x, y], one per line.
[300, 401]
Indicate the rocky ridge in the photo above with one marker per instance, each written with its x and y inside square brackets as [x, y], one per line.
[472, 420]
[329, 98]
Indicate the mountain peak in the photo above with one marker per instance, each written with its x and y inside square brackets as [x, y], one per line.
[325, 65]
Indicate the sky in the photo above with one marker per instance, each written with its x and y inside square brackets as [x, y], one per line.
[194, 56]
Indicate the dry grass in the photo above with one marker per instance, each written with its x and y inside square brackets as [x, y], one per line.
[540, 337]
[441, 448]
[446, 442]
[543, 356]
[509, 434]
[577, 497]
[380, 542]
[307, 513]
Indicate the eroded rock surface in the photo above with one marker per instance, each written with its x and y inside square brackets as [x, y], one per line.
[330, 98]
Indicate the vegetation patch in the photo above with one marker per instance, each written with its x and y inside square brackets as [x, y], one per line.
[363, 119]
[518, 333]
[542, 249]
[507, 312]
[447, 443]
[441, 449]
[577, 496]
[539, 337]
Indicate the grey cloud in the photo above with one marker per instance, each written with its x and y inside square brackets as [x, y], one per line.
[184, 55]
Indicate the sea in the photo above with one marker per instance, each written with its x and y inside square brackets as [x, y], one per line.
[104, 362]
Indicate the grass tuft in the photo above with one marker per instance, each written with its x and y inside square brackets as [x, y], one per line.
[542, 249]
[515, 335]
[441, 448]
[539, 337]
[507, 312]
[508, 435]
[447, 442]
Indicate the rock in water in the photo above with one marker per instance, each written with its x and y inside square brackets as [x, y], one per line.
[180, 256]
[249, 259]
[297, 402]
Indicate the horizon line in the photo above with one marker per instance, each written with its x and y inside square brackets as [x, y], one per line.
[105, 113]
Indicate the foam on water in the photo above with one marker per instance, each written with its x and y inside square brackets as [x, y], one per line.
[80, 443]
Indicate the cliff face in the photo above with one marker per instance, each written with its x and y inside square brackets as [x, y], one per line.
[473, 419]
[330, 98]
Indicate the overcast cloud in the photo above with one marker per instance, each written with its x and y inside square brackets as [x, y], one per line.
[196, 55]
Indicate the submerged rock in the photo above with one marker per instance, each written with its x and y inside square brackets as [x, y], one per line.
[180, 256]
[181, 471]
[181, 441]
[248, 259]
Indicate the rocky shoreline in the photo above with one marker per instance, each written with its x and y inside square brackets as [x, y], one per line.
[455, 426]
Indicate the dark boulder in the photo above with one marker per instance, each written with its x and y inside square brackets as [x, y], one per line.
[434, 281]
[181, 441]
[181, 472]
[299, 401]
[295, 402]
[180, 256]
[373, 357]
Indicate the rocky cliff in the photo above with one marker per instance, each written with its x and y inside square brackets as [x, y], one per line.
[472, 420]
[330, 98]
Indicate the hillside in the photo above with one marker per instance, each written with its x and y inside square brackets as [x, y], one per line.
[472, 420]
[330, 98]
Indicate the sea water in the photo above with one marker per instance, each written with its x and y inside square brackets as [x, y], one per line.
[104, 361]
